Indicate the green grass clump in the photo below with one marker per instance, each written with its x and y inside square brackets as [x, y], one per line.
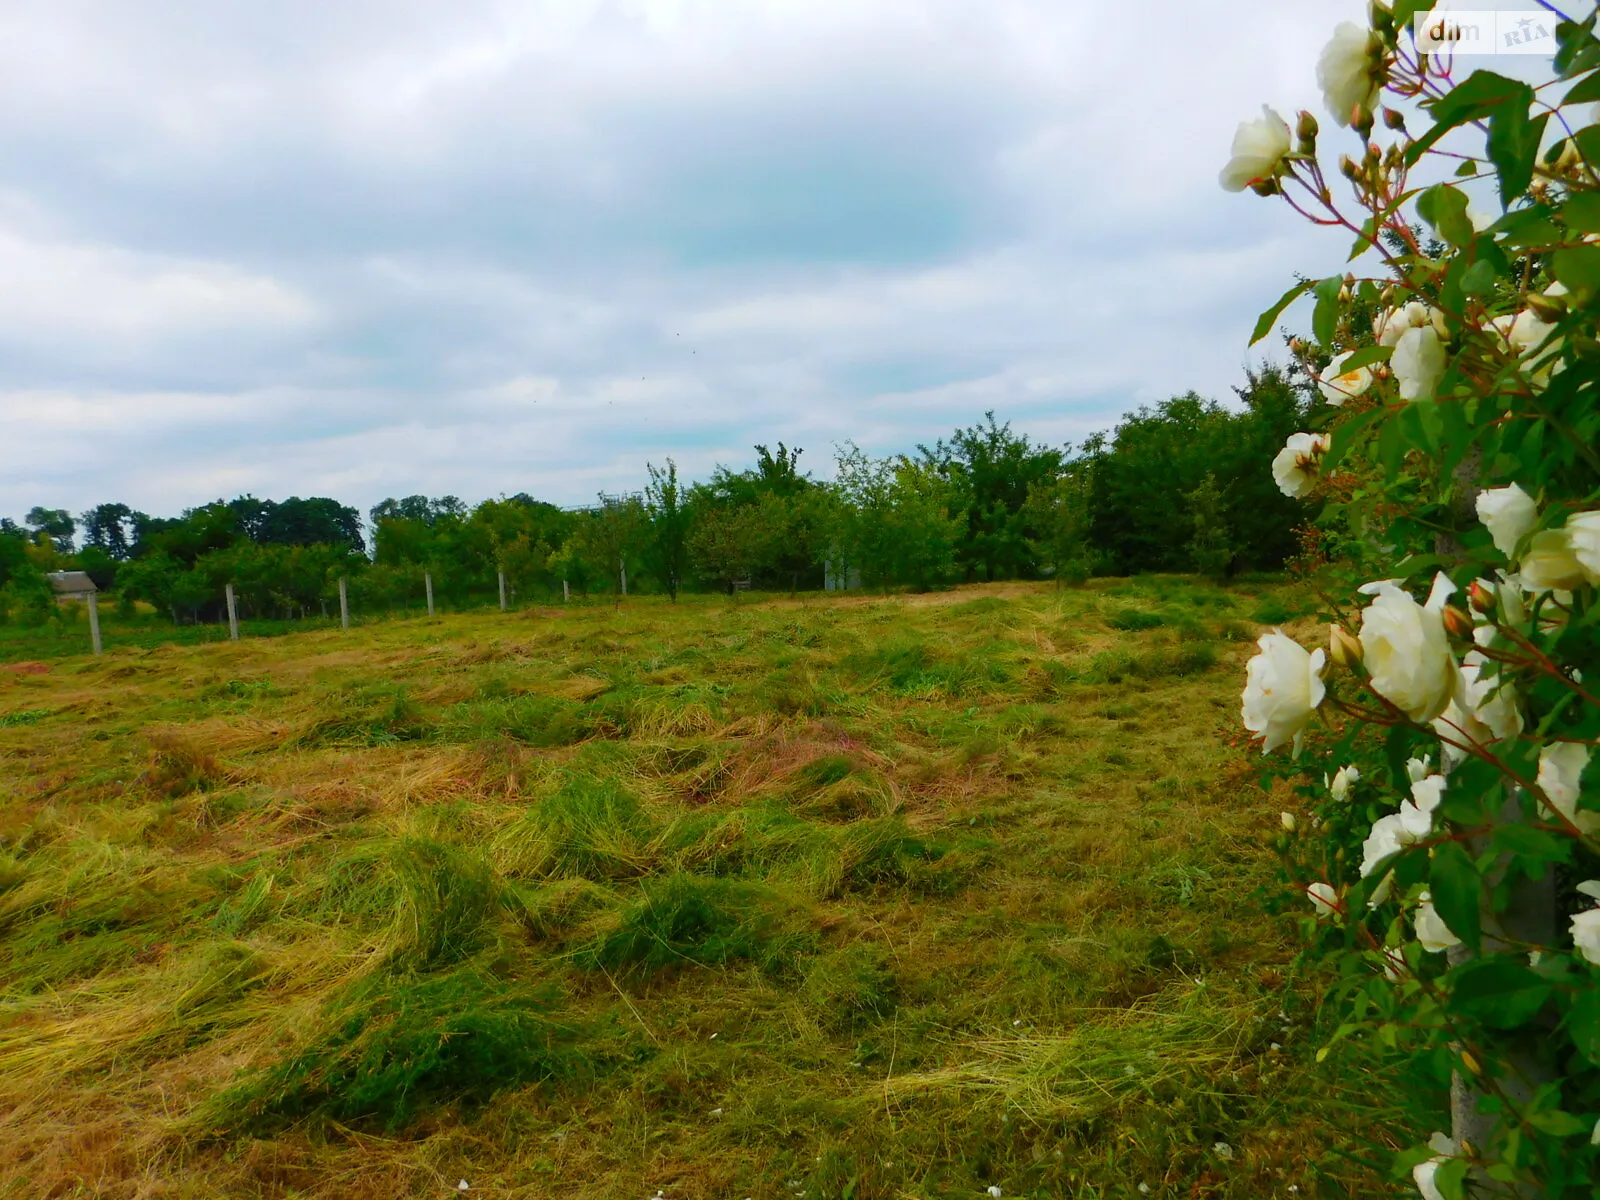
[1131, 620]
[417, 901]
[543, 721]
[588, 828]
[387, 1049]
[686, 920]
[26, 716]
[851, 987]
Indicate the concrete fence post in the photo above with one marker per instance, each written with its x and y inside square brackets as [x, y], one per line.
[502, 591]
[344, 603]
[233, 613]
[566, 592]
[94, 623]
[427, 581]
[623, 568]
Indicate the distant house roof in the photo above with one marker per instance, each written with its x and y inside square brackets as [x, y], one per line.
[71, 583]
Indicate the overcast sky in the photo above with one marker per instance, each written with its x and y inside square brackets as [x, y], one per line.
[379, 247]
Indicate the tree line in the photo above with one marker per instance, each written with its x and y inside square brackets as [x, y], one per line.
[1177, 486]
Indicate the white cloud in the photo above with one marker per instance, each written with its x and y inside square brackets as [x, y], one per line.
[62, 291]
[390, 246]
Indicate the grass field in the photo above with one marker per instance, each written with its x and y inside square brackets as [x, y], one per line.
[842, 898]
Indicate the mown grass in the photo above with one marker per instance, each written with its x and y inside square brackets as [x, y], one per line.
[837, 897]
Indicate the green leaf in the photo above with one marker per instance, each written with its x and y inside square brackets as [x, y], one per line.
[1406, 10]
[1451, 1178]
[1578, 267]
[1559, 1124]
[1514, 147]
[1481, 94]
[1526, 842]
[1364, 240]
[1579, 51]
[1470, 167]
[1582, 210]
[1366, 356]
[1479, 279]
[1583, 1023]
[1457, 891]
[1325, 317]
[1349, 431]
[1503, 993]
[1585, 91]
[1445, 208]
[1269, 318]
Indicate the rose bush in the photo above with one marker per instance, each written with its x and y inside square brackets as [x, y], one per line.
[1457, 465]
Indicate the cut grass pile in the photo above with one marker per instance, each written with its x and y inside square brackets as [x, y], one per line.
[848, 898]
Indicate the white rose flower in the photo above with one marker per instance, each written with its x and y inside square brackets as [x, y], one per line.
[1289, 821]
[1551, 563]
[1347, 73]
[1423, 1173]
[1561, 767]
[1509, 514]
[1583, 535]
[1259, 148]
[1283, 686]
[1432, 932]
[1418, 362]
[1525, 333]
[1389, 836]
[1406, 650]
[1390, 326]
[1490, 698]
[1416, 814]
[1338, 385]
[1484, 709]
[1295, 467]
[1586, 934]
[1343, 780]
[1323, 899]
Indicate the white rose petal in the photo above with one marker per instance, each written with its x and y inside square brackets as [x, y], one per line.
[1338, 385]
[1295, 467]
[1406, 650]
[1389, 836]
[1509, 514]
[1418, 362]
[1283, 687]
[1432, 932]
[1525, 334]
[1343, 780]
[1586, 935]
[1422, 1174]
[1290, 824]
[1345, 72]
[1551, 563]
[1390, 326]
[1419, 768]
[1259, 147]
[1561, 767]
[1323, 899]
[1583, 537]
